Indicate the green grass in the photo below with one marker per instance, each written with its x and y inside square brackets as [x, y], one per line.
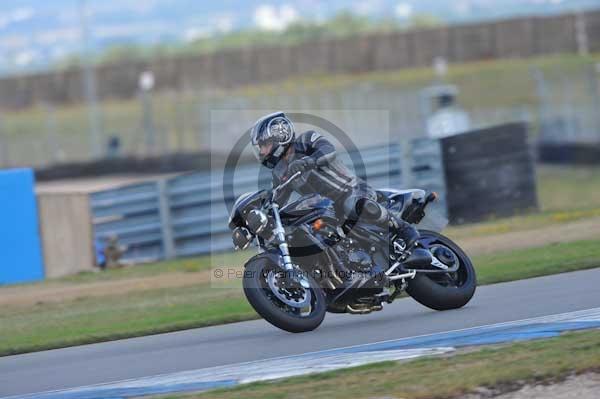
[505, 368]
[565, 188]
[513, 224]
[565, 194]
[535, 262]
[509, 80]
[87, 320]
[186, 265]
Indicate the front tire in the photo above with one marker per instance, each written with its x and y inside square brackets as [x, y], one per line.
[444, 291]
[271, 308]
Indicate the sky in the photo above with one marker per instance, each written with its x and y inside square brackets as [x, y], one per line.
[36, 33]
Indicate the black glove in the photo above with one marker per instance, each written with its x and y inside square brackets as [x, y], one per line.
[301, 165]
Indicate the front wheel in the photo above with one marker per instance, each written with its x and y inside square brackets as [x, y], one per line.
[291, 308]
[444, 291]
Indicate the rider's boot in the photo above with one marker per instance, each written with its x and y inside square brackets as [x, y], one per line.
[404, 230]
[408, 237]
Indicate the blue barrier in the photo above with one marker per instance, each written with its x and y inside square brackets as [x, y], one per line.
[20, 246]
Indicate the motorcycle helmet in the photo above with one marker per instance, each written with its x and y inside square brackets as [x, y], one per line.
[271, 137]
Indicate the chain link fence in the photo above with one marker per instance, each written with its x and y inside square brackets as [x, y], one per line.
[180, 122]
[569, 105]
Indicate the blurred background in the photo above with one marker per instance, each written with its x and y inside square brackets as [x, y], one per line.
[84, 80]
[116, 118]
[98, 94]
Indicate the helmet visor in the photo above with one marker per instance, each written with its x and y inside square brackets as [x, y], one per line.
[263, 148]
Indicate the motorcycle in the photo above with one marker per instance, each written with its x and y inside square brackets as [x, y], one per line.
[310, 262]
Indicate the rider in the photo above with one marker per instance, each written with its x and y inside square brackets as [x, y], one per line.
[277, 147]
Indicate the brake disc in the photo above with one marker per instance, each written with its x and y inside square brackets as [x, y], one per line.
[444, 262]
[298, 298]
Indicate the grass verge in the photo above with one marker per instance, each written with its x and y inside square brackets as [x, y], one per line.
[565, 193]
[504, 369]
[536, 262]
[185, 265]
[87, 320]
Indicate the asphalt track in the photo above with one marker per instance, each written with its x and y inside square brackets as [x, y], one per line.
[254, 340]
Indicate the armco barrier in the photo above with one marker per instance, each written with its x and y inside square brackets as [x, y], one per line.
[187, 215]
[20, 248]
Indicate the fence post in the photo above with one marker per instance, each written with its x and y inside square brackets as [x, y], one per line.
[405, 152]
[581, 36]
[164, 210]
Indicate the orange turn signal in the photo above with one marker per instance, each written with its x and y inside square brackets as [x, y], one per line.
[318, 224]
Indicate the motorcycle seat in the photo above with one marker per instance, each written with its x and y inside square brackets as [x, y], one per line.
[400, 198]
[389, 192]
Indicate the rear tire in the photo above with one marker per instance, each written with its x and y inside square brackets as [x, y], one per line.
[265, 305]
[431, 293]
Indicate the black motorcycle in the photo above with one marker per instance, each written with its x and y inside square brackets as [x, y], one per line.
[311, 262]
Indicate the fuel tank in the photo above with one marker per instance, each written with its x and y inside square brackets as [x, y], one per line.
[306, 207]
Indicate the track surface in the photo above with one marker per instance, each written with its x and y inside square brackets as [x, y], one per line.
[234, 343]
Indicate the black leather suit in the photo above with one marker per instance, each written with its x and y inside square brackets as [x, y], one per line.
[331, 178]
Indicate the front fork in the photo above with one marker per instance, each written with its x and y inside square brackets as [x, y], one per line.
[279, 232]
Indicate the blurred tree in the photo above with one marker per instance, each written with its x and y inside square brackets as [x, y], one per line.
[70, 61]
[124, 52]
[343, 24]
[346, 23]
[424, 21]
[388, 24]
[304, 31]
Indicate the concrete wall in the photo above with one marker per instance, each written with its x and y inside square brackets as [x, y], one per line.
[66, 229]
[520, 37]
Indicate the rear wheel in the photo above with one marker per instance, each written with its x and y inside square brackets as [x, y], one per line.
[292, 308]
[444, 291]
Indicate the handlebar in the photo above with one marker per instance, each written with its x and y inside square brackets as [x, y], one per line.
[322, 161]
[284, 184]
[326, 159]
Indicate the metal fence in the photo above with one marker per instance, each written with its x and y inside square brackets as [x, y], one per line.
[187, 215]
[568, 105]
[181, 122]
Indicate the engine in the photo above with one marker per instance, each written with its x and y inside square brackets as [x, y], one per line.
[361, 259]
[355, 258]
